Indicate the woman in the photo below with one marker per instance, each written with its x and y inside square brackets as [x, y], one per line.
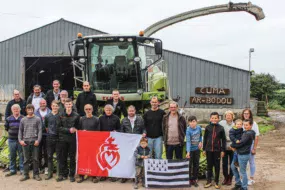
[227, 159]
[247, 114]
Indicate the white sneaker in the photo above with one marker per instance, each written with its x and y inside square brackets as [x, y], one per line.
[250, 182]
[46, 171]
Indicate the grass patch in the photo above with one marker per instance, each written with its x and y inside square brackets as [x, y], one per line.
[266, 118]
[265, 128]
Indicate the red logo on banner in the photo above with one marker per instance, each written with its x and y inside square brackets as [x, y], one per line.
[108, 156]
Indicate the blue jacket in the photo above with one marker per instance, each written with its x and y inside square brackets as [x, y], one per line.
[42, 121]
[235, 134]
[193, 138]
[140, 151]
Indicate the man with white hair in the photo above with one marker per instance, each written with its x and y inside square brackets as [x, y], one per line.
[12, 126]
[63, 96]
[42, 112]
[16, 100]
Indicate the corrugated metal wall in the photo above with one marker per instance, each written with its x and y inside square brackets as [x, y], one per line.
[185, 73]
[51, 39]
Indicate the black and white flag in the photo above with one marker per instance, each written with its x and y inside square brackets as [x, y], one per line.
[166, 173]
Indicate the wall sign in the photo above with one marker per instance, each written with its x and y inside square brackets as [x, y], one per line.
[210, 90]
[211, 100]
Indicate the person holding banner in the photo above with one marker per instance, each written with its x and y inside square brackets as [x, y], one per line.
[133, 124]
[89, 123]
[68, 125]
[109, 122]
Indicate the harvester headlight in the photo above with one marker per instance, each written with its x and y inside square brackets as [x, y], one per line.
[130, 39]
[137, 59]
[121, 39]
[82, 60]
[147, 41]
[90, 39]
[140, 91]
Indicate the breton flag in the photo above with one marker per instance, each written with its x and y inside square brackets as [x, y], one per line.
[166, 173]
[106, 154]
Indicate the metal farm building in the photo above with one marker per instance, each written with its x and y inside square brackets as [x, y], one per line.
[209, 84]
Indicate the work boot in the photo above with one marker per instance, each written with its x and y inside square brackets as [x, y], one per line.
[25, 177]
[10, 174]
[229, 182]
[59, 179]
[95, 180]
[124, 180]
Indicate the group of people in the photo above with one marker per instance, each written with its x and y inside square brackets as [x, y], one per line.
[47, 124]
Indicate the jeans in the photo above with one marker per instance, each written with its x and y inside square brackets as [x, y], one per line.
[14, 148]
[156, 144]
[178, 149]
[67, 149]
[43, 153]
[31, 152]
[51, 149]
[252, 163]
[213, 160]
[235, 157]
[194, 164]
[227, 160]
[242, 161]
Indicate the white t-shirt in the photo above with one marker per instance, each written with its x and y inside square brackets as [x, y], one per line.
[36, 102]
[43, 114]
[132, 120]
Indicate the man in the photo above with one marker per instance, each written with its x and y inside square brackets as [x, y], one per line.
[174, 128]
[36, 97]
[51, 122]
[118, 105]
[68, 125]
[86, 97]
[109, 122]
[30, 135]
[133, 124]
[42, 112]
[63, 96]
[16, 100]
[12, 126]
[153, 124]
[53, 94]
[89, 123]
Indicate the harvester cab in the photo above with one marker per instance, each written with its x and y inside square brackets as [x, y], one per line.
[119, 62]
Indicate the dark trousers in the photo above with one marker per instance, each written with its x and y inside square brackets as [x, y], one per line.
[227, 160]
[43, 153]
[194, 164]
[67, 149]
[178, 149]
[213, 160]
[31, 152]
[51, 149]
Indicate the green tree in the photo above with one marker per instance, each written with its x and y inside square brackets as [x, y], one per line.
[263, 86]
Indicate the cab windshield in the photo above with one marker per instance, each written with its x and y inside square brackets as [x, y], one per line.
[112, 67]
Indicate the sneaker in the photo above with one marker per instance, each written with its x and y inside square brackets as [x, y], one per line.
[208, 184]
[124, 180]
[217, 186]
[71, 179]
[37, 178]
[236, 187]
[24, 178]
[136, 186]
[46, 171]
[113, 179]
[59, 179]
[81, 179]
[250, 182]
[10, 174]
[48, 177]
[195, 183]
[103, 178]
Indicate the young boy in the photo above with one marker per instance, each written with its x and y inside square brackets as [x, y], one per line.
[235, 136]
[244, 151]
[142, 152]
[30, 135]
[214, 145]
[193, 146]
[51, 122]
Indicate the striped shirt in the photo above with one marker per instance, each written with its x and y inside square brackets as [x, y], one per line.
[30, 129]
[12, 126]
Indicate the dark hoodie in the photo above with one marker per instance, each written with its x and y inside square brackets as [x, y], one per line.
[235, 134]
[109, 123]
[244, 146]
[86, 98]
[214, 138]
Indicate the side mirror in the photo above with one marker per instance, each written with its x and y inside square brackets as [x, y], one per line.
[158, 47]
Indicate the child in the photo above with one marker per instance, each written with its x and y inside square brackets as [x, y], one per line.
[244, 151]
[30, 135]
[214, 145]
[142, 152]
[51, 122]
[193, 146]
[235, 136]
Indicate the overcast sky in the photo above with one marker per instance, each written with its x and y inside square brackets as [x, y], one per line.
[224, 38]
